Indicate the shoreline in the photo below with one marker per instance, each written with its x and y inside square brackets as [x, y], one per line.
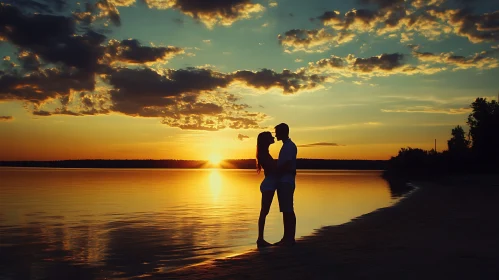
[440, 230]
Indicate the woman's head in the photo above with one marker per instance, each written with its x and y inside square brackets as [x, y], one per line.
[263, 141]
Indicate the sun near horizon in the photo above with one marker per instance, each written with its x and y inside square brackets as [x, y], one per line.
[215, 159]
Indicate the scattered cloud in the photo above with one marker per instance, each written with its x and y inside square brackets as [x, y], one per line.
[207, 41]
[168, 94]
[477, 28]
[311, 41]
[241, 137]
[6, 118]
[44, 85]
[482, 60]
[290, 82]
[396, 64]
[131, 51]
[384, 62]
[211, 13]
[428, 18]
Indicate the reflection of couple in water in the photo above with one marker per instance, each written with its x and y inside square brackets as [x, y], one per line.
[279, 176]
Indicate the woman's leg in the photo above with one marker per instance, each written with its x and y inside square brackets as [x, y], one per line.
[267, 197]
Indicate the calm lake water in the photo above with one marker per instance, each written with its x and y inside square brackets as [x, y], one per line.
[97, 223]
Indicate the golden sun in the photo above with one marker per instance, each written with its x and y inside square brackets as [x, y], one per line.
[215, 159]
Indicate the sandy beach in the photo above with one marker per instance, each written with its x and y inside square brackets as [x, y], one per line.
[443, 230]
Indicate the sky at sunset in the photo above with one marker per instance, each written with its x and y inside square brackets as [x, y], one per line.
[190, 79]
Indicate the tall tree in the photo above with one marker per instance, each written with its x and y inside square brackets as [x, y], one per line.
[458, 142]
[484, 130]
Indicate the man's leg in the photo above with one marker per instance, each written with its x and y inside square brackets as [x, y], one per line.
[289, 226]
[285, 193]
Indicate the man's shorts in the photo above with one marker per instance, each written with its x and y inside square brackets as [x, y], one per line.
[285, 193]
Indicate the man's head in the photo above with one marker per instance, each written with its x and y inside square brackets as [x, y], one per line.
[281, 131]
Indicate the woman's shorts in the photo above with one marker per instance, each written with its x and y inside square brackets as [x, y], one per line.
[268, 184]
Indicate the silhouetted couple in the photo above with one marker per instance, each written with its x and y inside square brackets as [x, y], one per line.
[279, 176]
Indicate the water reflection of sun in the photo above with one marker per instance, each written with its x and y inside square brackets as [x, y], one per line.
[215, 183]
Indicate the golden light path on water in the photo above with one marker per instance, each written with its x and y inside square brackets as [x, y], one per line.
[138, 221]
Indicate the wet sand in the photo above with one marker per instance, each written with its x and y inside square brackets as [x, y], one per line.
[444, 230]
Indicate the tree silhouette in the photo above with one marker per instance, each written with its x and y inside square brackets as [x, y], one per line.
[458, 142]
[478, 153]
[484, 131]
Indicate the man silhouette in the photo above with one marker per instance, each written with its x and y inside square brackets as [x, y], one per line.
[286, 168]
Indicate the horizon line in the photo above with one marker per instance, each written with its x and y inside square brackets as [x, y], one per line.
[206, 160]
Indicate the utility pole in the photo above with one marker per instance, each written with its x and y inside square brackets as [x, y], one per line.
[435, 145]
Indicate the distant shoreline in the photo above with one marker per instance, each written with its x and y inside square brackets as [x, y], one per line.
[326, 164]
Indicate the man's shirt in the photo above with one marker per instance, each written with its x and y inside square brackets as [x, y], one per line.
[288, 152]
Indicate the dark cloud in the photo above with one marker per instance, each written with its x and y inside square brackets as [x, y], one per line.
[52, 38]
[212, 12]
[101, 10]
[108, 9]
[366, 17]
[186, 98]
[43, 85]
[131, 51]
[10, 118]
[177, 95]
[384, 62]
[482, 60]
[320, 144]
[382, 65]
[241, 137]
[432, 19]
[478, 28]
[332, 62]
[342, 28]
[315, 40]
[42, 113]
[288, 81]
[29, 61]
[223, 12]
[41, 6]
[382, 3]
[142, 91]
[330, 17]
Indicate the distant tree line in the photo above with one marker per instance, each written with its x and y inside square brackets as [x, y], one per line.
[227, 164]
[474, 152]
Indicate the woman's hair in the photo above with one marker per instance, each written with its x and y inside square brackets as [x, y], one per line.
[262, 148]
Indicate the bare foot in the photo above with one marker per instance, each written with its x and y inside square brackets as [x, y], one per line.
[260, 243]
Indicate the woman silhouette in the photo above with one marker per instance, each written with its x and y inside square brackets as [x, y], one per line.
[269, 184]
